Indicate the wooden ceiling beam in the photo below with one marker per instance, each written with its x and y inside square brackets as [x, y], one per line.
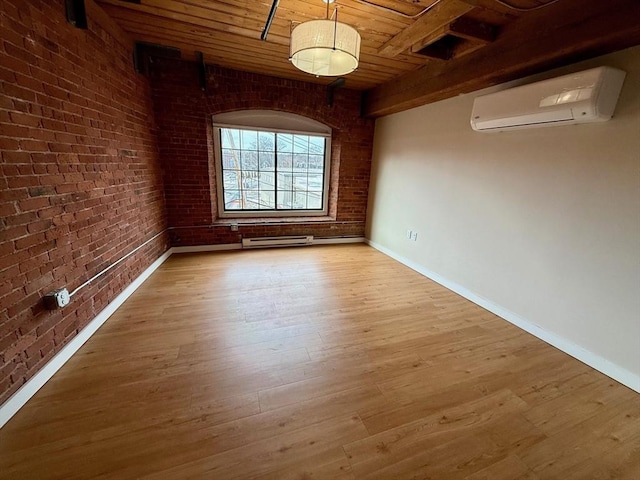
[472, 30]
[429, 24]
[561, 33]
[465, 28]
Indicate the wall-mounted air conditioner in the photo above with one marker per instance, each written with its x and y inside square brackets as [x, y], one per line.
[583, 97]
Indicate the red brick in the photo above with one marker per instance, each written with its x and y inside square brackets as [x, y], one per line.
[34, 145]
[13, 233]
[20, 345]
[15, 91]
[24, 119]
[7, 209]
[15, 64]
[22, 181]
[20, 219]
[15, 131]
[59, 118]
[27, 81]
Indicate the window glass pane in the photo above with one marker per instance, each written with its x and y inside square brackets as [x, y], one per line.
[300, 162]
[285, 181]
[314, 200]
[230, 179]
[267, 199]
[251, 199]
[299, 200]
[284, 161]
[232, 200]
[267, 181]
[316, 162]
[285, 142]
[249, 160]
[230, 138]
[249, 180]
[300, 144]
[284, 199]
[266, 141]
[249, 140]
[229, 158]
[299, 181]
[314, 182]
[316, 145]
[267, 161]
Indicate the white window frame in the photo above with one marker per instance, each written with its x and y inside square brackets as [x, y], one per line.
[273, 122]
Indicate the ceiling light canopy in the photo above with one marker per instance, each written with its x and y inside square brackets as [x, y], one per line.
[325, 48]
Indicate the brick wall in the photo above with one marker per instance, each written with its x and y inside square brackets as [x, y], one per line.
[183, 113]
[80, 182]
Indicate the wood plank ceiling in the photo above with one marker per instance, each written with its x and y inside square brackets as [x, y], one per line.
[405, 43]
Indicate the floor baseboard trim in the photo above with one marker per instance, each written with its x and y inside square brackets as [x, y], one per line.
[595, 361]
[207, 248]
[29, 389]
[238, 246]
[337, 240]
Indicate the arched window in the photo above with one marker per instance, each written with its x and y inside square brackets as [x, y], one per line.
[271, 164]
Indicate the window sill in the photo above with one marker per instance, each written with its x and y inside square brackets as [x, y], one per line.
[272, 220]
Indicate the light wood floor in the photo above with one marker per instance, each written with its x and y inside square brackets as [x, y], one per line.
[330, 362]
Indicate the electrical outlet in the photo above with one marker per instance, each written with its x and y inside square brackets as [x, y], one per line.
[234, 227]
[409, 234]
[414, 236]
[57, 299]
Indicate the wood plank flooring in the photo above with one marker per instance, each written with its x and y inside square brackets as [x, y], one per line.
[331, 362]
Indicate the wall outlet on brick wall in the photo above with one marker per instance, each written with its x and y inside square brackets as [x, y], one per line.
[57, 299]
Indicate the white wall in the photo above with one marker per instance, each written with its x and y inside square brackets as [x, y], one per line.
[540, 225]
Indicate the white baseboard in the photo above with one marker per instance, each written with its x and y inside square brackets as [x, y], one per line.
[207, 248]
[238, 246]
[29, 389]
[337, 240]
[595, 361]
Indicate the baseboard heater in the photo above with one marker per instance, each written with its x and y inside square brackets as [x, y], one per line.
[267, 242]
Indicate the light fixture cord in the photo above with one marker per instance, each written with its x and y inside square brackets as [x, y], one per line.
[335, 27]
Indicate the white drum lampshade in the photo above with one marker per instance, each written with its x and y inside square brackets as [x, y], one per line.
[325, 48]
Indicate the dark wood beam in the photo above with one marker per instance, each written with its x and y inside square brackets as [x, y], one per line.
[564, 32]
[449, 47]
[472, 30]
[465, 28]
[432, 22]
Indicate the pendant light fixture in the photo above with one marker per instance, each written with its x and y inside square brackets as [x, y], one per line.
[325, 48]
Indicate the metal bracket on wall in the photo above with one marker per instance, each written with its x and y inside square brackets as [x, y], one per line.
[337, 83]
[76, 13]
[143, 53]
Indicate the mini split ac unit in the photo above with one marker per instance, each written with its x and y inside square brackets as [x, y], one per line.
[583, 97]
